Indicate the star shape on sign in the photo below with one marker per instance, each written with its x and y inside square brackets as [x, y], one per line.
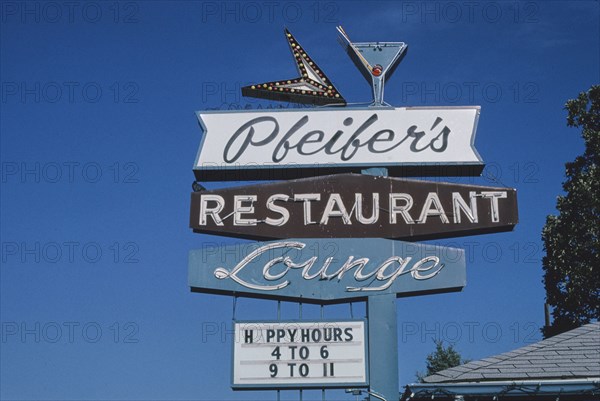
[311, 87]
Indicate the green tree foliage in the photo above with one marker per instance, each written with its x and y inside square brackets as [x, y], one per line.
[442, 358]
[572, 261]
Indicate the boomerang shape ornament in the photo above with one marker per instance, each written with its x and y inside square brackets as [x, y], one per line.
[311, 87]
[375, 60]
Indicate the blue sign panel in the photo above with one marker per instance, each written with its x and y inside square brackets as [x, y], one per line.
[327, 270]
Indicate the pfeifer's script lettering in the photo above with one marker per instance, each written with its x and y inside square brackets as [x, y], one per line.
[261, 131]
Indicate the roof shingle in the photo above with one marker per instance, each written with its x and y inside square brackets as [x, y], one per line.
[574, 354]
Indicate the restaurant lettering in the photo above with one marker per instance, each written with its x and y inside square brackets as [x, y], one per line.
[398, 208]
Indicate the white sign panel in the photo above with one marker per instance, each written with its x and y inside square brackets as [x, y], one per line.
[338, 138]
[299, 354]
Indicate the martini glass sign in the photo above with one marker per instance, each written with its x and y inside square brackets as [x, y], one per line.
[375, 60]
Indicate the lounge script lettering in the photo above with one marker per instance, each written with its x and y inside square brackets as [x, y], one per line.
[377, 278]
[265, 130]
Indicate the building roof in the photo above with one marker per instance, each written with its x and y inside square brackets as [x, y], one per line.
[565, 367]
[571, 355]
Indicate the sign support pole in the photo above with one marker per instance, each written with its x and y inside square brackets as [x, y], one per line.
[383, 337]
[383, 346]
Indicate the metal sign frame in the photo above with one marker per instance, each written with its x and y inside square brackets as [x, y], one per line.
[289, 386]
[254, 171]
[354, 206]
[310, 270]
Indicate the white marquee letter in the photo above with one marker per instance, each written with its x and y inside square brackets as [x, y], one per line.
[212, 212]
[285, 214]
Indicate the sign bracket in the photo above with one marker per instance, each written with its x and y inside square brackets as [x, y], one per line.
[383, 346]
[383, 337]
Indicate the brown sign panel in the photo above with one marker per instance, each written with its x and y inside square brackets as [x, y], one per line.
[354, 206]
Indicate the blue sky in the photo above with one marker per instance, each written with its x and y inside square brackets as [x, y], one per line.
[98, 137]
